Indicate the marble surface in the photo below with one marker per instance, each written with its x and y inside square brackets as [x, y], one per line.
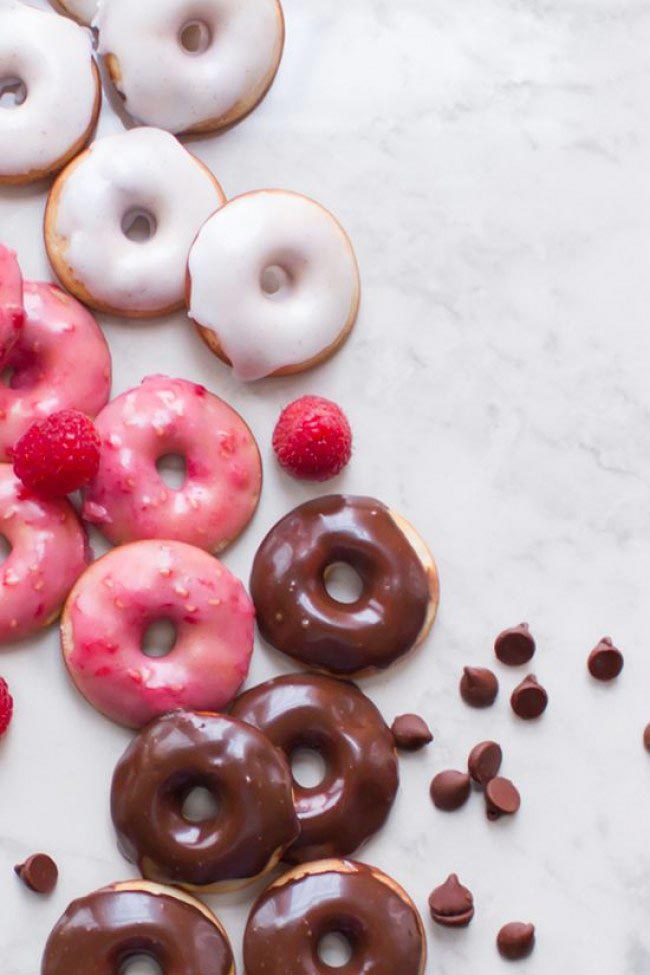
[489, 159]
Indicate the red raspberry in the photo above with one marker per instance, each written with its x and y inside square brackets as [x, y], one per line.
[6, 706]
[312, 439]
[57, 455]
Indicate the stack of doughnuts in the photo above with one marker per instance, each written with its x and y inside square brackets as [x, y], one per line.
[137, 226]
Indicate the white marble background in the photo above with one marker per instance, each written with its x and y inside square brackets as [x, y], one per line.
[490, 159]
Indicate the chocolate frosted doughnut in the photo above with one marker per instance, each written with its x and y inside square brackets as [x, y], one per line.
[374, 914]
[335, 719]
[100, 933]
[295, 612]
[251, 783]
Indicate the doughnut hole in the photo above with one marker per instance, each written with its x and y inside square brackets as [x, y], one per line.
[172, 469]
[308, 767]
[6, 375]
[200, 805]
[13, 92]
[139, 225]
[343, 583]
[337, 945]
[159, 638]
[140, 965]
[195, 37]
[275, 281]
[5, 549]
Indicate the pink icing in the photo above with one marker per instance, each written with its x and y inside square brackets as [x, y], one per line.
[61, 361]
[129, 500]
[12, 315]
[48, 553]
[115, 601]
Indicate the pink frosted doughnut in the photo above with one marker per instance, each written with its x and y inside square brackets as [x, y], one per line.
[61, 361]
[121, 595]
[12, 315]
[129, 501]
[48, 553]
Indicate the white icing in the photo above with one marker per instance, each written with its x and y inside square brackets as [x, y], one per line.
[52, 56]
[163, 84]
[140, 170]
[83, 10]
[260, 332]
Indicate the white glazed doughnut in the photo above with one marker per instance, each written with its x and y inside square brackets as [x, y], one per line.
[191, 65]
[273, 284]
[82, 10]
[52, 58]
[143, 172]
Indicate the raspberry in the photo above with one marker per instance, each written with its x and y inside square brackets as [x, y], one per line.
[6, 706]
[312, 439]
[57, 455]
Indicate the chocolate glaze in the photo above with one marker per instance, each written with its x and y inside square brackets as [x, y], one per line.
[249, 778]
[335, 719]
[100, 932]
[296, 614]
[291, 917]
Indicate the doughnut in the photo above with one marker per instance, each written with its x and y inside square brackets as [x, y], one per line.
[128, 500]
[376, 917]
[273, 284]
[12, 312]
[191, 66]
[249, 779]
[334, 719]
[295, 612]
[48, 554]
[83, 11]
[142, 179]
[48, 62]
[121, 595]
[60, 361]
[102, 932]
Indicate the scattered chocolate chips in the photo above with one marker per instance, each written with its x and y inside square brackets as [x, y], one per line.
[515, 646]
[451, 904]
[605, 660]
[529, 699]
[501, 798]
[646, 737]
[39, 872]
[478, 687]
[516, 940]
[450, 790]
[411, 732]
[484, 761]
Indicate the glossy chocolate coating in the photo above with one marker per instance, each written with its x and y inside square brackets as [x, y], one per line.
[296, 614]
[291, 917]
[249, 778]
[98, 933]
[335, 719]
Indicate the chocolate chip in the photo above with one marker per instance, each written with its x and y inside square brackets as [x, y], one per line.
[39, 872]
[516, 940]
[646, 737]
[411, 732]
[605, 660]
[501, 798]
[515, 646]
[451, 904]
[484, 761]
[450, 790]
[529, 699]
[478, 687]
